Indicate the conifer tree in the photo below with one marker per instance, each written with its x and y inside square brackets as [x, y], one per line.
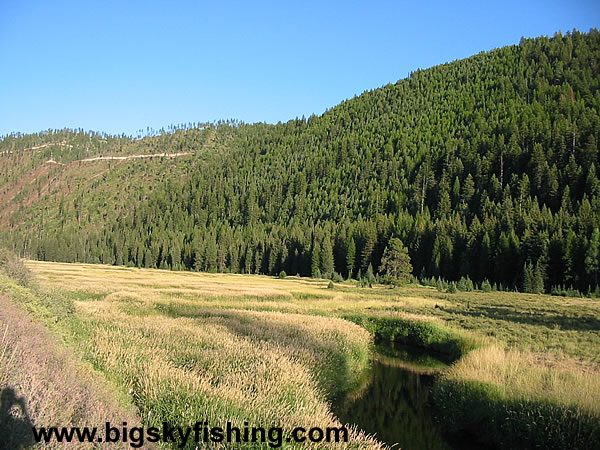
[395, 263]
[350, 256]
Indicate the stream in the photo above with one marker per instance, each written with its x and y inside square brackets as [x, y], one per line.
[392, 402]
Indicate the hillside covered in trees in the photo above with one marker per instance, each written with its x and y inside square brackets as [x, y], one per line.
[485, 167]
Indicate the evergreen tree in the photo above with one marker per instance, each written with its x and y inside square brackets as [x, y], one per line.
[592, 258]
[315, 260]
[350, 256]
[395, 263]
[327, 259]
[474, 189]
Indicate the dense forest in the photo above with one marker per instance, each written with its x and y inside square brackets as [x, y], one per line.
[484, 168]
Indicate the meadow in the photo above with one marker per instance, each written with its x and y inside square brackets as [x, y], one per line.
[186, 346]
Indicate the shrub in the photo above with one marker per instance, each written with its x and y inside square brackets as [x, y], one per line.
[362, 282]
[13, 266]
[331, 285]
[452, 288]
[337, 277]
[282, 274]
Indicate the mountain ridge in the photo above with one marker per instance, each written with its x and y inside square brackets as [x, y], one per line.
[484, 167]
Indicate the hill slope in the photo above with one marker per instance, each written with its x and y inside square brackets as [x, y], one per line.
[484, 167]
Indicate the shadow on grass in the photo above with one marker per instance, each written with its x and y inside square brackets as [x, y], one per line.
[15, 425]
[530, 318]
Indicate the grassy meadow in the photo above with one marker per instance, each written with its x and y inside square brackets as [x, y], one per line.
[185, 346]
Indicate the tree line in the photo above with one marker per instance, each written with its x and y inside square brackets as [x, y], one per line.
[483, 168]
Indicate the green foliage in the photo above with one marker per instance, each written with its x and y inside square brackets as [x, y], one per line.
[479, 166]
[429, 335]
[395, 263]
[327, 259]
[486, 286]
[337, 277]
[497, 421]
[370, 276]
[14, 268]
[465, 284]
[282, 274]
[441, 285]
[533, 281]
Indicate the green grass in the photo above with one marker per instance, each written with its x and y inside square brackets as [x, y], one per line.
[513, 422]
[273, 350]
[425, 334]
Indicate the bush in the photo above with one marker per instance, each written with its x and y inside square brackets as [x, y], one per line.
[452, 288]
[13, 266]
[331, 285]
[562, 291]
[337, 277]
[282, 274]
[362, 282]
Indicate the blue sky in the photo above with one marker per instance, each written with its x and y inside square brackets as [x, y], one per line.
[121, 66]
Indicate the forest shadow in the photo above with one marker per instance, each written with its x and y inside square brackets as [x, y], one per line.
[539, 319]
[15, 424]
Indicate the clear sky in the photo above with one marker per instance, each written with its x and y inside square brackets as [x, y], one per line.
[121, 66]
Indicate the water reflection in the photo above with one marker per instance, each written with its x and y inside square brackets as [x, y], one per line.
[393, 404]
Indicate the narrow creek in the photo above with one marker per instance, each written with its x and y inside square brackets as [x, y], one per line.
[393, 402]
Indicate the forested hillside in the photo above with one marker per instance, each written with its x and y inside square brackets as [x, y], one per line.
[484, 167]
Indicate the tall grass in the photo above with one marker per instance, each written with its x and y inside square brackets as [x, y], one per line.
[181, 364]
[263, 368]
[45, 384]
[188, 345]
[419, 331]
[506, 399]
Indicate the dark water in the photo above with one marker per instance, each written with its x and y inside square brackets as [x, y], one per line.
[393, 401]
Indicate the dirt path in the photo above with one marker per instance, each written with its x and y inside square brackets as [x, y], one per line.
[123, 158]
[38, 147]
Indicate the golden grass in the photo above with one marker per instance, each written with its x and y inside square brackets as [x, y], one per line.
[519, 375]
[224, 290]
[198, 358]
[240, 365]
[247, 347]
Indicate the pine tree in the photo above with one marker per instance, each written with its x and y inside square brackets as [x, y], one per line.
[592, 258]
[370, 275]
[327, 258]
[315, 264]
[533, 278]
[350, 256]
[528, 278]
[395, 263]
